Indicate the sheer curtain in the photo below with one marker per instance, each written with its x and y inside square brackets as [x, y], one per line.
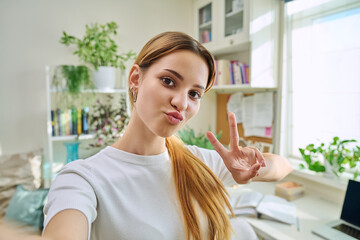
[321, 73]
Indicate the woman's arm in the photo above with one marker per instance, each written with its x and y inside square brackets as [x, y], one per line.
[66, 225]
[276, 168]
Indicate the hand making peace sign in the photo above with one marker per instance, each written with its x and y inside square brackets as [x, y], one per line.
[243, 162]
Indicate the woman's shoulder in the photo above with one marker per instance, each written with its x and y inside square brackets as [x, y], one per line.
[86, 165]
[207, 155]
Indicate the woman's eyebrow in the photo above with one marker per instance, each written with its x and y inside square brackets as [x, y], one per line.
[175, 73]
[182, 79]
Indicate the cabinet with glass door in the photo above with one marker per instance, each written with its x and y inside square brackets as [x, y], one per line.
[233, 41]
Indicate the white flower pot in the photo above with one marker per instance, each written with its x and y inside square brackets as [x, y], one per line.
[104, 78]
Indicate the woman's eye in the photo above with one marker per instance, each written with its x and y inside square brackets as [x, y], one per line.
[195, 94]
[168, 81]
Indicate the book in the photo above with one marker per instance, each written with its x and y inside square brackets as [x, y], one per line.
[52, 114]
[74, 121]
[216, 77]
[231, 70]
[247, 74]
[256, 204]
[237, 72]
[58, 122]
[223, 72]
[205, 35]
[85, 124]
[289, 190]
[62, 123]
[79, 122]
[67, 122]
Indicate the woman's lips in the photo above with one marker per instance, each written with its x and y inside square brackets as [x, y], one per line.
[174, 117]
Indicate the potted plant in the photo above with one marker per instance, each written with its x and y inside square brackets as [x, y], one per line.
[107, 121]
[189, 137]
[71, 78]
[98, 49]
[332, 158]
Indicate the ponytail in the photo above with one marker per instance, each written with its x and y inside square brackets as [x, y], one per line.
[194, 180]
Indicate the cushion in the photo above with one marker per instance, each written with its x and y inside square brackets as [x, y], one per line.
[27, 206]
[17, 169]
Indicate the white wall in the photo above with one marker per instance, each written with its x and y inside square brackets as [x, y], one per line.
[29, 39]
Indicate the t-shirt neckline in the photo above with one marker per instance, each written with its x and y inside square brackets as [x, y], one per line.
[135, 158]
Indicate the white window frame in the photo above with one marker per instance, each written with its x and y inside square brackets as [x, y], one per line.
[327, 7]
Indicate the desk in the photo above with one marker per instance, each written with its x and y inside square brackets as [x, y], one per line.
[313, 209]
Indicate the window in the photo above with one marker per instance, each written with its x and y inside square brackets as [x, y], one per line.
[321, 73]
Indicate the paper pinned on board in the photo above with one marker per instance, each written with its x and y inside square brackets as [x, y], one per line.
[235, 105]
[257, 115]
[263, 109]
[265, 132]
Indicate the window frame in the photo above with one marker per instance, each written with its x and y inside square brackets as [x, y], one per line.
[329, 7]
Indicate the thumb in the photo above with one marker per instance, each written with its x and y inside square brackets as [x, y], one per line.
[253, 171]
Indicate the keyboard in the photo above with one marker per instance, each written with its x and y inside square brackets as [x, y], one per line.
[348, 230]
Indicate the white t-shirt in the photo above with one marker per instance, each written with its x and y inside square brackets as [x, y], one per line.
[129, 196]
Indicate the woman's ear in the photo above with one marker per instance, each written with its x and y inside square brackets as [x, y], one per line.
[134, 76]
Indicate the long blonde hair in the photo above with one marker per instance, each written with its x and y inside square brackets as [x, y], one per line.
[193, 179]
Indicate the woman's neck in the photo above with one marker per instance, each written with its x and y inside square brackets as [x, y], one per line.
[138, 139]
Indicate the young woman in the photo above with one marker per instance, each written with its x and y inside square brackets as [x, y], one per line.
[148, 184]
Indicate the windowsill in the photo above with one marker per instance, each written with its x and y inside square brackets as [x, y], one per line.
[339, 183]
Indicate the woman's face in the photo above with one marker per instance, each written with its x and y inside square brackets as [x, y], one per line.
[170, 90]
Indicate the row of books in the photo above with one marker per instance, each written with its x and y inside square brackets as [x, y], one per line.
[205, 14]
[70, 121]
[230, 72]
[205, 36]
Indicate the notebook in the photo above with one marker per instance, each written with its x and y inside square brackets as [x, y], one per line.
[348, 226]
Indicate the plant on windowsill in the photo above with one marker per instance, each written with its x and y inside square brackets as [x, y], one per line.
[98, 49]
[189, 137]
[107, 121]
[333, 158]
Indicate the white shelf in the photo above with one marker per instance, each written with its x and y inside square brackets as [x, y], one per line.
[234, 13]
[246, 88]
[119, 90]
[205, 25]
[72, 137]
[228, 49]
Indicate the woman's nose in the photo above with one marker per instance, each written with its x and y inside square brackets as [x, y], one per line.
[179, 101]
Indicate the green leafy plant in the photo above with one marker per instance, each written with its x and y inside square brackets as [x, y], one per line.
[71, 78]
[97, 46]
[339, 154]
[108, 122]
[189, 137]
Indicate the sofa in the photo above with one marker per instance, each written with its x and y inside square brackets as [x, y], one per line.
[21, 194]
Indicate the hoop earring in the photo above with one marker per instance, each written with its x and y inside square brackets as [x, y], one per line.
[133, 93]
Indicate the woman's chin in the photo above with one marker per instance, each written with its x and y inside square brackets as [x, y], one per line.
[166, 132]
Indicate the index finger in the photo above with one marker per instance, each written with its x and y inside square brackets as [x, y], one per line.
[216, 144]
[234, 135]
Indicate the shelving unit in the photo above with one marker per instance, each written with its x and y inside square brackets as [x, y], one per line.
[233, 40]
[94, 91]
[242, 88]
[204, 21]
[55, 152]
